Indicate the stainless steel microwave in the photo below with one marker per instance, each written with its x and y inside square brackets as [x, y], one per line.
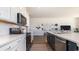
[21, 20]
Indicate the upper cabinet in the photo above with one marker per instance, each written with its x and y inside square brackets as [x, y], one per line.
[77, 22]
[13, 16]
[10, 13]
[5, 13]
[15, 10]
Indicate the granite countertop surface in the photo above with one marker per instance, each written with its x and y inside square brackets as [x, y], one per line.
[5, 39]
[72, 36]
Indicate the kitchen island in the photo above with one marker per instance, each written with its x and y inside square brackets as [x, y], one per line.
[70, 40]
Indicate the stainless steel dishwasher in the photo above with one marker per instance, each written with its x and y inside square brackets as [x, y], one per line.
[60, 44]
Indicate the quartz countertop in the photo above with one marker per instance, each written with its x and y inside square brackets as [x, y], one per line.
[72, 36]
[5, 39]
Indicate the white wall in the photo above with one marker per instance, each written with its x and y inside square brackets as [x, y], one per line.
[28, 20]
[49, 21]
[4, 28]
[60, 21]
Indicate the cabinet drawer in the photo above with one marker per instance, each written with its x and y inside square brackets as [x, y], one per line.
[9, 46]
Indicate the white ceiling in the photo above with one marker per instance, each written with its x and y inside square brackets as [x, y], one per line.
[37, 12]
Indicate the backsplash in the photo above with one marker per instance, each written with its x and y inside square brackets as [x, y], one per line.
[47, 27]
[4, 28]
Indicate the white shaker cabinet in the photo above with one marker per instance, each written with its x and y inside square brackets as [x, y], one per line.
[9, 13]
[13, 16]
[15, 10]
[5, 13]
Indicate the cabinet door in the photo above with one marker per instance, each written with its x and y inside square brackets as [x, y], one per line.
[71, 46]
[14, 11]
[5, 13]
[48, 38]
[51, 40]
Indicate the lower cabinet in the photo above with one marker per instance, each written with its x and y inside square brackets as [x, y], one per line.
[71, 46]
[60, 44]
[51, 40]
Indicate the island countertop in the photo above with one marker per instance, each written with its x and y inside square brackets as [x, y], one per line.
[5, 39]
[74, 37]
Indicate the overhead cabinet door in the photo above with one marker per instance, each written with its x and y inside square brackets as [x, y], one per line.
[14, 11]
[5, 13]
